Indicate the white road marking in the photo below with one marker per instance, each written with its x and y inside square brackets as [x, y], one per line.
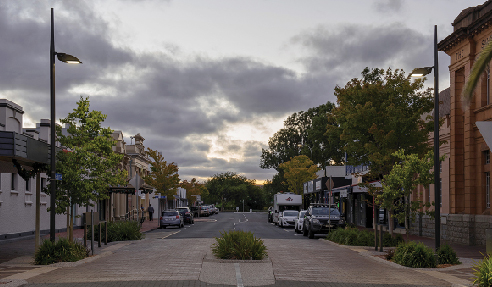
[170, 234]
[239, 280]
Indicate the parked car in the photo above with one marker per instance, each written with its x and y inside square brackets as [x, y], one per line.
[215, 209]
[203, 210]
[270, 214]
[186, 213]
[321, 218]
[298, 221]
[171, 218]
[210, 210]
[287, 217]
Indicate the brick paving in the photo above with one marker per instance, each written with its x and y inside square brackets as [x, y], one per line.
[158, 261]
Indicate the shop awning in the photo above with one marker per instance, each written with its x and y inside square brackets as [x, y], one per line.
[145, 188]
[127, 189]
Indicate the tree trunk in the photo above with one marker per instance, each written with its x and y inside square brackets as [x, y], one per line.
[391, 222]
[70, 227]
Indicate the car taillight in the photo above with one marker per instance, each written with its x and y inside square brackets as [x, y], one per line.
[177, 216]
[161, 218]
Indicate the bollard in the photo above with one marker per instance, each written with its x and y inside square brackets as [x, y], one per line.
[92, 232]
[106, 233]
[85, 235]
[376, 237]
[381, 238]
[100, 235]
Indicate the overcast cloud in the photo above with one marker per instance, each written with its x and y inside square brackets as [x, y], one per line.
[208, 99]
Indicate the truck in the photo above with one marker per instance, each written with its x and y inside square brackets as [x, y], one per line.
[285, 201]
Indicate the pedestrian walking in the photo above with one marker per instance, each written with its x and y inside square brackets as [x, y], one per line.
[151, 212]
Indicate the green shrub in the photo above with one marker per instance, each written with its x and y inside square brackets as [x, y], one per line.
[414, 254]
[389, 241]
[238, 244]
[357, 237]
[483, 272]
[118, 231]
[62, 250]
[446, 255]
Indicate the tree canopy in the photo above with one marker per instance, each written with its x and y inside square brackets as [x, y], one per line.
[380, 114]
[163, 176]
[230, 189]
[88, 164]
[303, 134]
[297, 171]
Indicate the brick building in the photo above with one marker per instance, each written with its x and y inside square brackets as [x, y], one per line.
[468, 214]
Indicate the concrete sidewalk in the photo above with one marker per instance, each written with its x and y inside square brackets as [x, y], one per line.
[24, 246]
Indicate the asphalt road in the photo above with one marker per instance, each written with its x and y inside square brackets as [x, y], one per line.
[210, 227]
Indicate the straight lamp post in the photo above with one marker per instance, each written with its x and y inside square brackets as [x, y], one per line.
[66, 58]
[419, 72]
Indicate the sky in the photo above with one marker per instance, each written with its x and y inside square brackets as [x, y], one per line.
[207, 82]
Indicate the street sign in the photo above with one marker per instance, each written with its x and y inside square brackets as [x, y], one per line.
[58, 176]
[237, 208]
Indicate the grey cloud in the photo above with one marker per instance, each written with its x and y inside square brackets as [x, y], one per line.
[346, 49]
[171, 103]
[388, 6]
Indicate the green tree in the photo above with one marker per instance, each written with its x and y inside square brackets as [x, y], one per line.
[297, 171]
[401, 181]
[230, 189]
[274, 186]
[379, 115]
[88, 164]
[303, 133]
[163, 176]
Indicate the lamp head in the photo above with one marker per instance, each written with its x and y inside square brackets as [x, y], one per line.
[66, 58]
[420, 72]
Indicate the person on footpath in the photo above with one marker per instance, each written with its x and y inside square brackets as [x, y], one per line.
[151, 212]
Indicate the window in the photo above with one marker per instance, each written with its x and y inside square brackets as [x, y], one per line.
[487, 189]
[487, 156]
[12, 182]
[440, 167]
[27, 184]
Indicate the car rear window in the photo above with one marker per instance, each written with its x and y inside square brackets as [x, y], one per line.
[325, 211]
[169, 213]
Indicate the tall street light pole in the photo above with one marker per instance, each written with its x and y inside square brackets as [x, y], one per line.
[419, 72]
[66, 58]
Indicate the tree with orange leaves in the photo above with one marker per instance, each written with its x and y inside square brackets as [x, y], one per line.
[163, 176]
[193, 188]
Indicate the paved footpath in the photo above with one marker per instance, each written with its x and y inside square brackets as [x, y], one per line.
[188, 262]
